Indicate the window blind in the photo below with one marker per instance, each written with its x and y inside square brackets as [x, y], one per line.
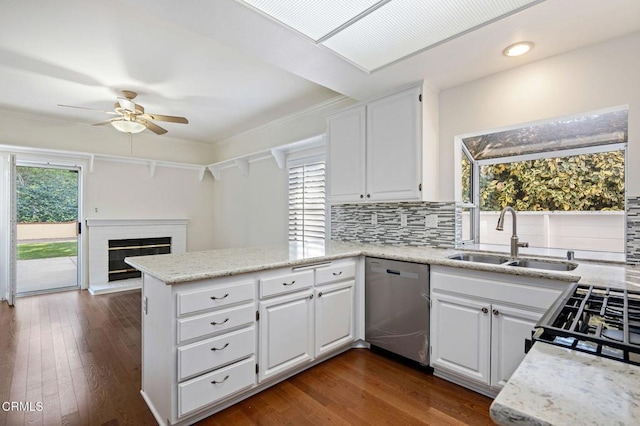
[307, 201]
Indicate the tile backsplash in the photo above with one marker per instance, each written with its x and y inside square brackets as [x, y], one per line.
[429, 224]
[633, 229]
[354, 222]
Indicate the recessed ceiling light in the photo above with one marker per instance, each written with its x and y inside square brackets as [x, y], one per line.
[518, 49]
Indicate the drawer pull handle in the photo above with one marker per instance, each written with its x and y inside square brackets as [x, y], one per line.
[219, 298]
[219, 323]
[221, 381]
[291, 283]
[219, 349]
[337, 273]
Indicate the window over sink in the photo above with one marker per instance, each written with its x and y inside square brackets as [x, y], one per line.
[565, 178]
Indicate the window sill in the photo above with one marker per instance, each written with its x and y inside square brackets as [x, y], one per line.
[599, 256]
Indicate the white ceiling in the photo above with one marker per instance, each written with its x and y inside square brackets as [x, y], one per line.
[228, 68]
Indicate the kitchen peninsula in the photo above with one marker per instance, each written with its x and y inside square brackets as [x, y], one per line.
[248, 294]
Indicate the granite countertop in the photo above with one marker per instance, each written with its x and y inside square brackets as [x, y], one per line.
[553, 385]
[558, 386]
[193, 266]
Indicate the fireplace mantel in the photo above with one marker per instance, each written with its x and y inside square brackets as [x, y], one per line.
[135, 222]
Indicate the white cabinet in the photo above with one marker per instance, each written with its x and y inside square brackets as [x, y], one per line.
[479, 323]
[286, 333]
[509, 328]
[297, 326]
[346, 133]
[210, 343]
[460, 337]
[394, 147]
[375, 150]
[334, 316]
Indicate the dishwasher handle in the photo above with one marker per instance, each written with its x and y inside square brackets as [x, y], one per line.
[396, 272]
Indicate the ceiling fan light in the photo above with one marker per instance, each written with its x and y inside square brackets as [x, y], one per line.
[127, 126]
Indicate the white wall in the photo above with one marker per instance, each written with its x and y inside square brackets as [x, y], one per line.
[48, 133]
[251, 210]
[126, 191]
[294, 128]
[596, 77]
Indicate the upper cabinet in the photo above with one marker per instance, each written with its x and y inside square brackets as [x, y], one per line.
[375, 150]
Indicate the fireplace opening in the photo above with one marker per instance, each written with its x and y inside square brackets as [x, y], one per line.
[119, 249]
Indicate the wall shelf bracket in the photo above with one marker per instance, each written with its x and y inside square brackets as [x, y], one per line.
[243, 165]
[152, 168]
[280, 157]
[215, 171]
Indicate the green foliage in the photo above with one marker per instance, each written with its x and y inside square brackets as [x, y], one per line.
[46, 195]
[47, 250]
[579, 183]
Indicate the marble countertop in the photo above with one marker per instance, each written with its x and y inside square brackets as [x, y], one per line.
[193, 266]
[558, 386]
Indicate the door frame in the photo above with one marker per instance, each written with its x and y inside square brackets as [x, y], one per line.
[8, 229]
[67, 163]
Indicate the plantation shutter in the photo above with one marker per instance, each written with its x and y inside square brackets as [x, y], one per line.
[307, 200]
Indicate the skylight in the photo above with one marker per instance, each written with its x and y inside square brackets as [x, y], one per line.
[372, 34]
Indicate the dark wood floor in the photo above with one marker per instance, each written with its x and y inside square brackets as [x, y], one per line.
[80, 356]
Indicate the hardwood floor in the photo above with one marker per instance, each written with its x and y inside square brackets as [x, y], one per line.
[79, 355]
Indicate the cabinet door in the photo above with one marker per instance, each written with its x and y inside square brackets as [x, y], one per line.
[509, 329]
[394, 126]
[286, 333]
[460, 336]
[334, 316]
[346, 155]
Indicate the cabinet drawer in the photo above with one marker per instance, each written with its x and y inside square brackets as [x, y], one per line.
[333, 273]
[215, 322]
[200, 300]
[206, 389]
[286, 283]
[211, 353]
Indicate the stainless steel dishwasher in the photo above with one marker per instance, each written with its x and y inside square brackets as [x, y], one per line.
[397, 307]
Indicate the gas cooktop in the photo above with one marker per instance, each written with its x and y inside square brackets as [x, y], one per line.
[600, 320]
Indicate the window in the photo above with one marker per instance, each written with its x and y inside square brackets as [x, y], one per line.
[307, 207]
[565, 178]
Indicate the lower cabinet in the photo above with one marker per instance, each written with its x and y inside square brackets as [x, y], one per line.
[334, 316]
[210, 343]
[460, 338]
[509, 329]
[480, 321]
[482, 341]
[286, 333]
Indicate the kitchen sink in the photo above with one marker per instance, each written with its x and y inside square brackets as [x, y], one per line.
[480, 258]
[549, 265]
[543, 264]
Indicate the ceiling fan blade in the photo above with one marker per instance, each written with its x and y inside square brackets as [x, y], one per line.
[168, 118]
[128, 104]
[89, 109]
[152, 126]
[102, 123]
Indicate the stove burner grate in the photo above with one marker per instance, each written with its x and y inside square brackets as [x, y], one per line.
[599, 320]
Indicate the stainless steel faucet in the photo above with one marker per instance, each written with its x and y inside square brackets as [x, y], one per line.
[514, 238]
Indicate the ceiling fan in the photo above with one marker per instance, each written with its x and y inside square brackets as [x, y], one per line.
[131, 116]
